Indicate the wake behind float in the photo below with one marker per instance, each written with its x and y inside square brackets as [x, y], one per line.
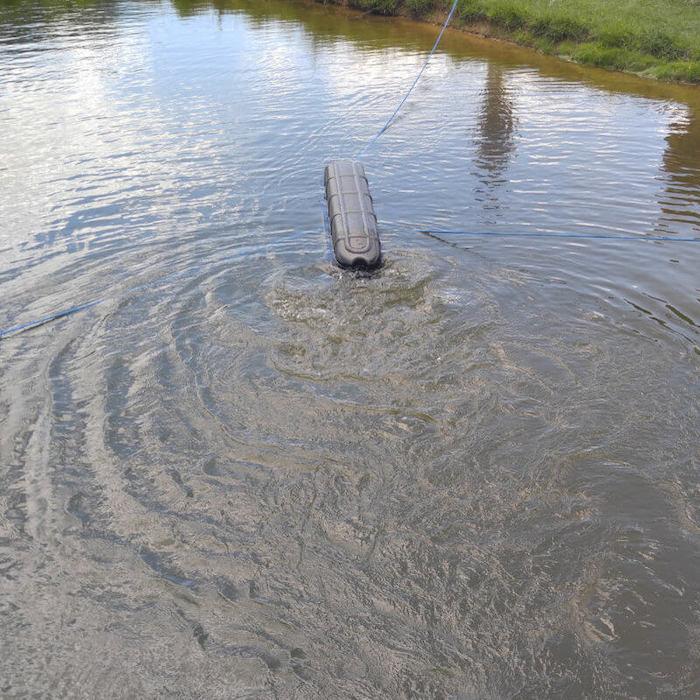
[351, 214]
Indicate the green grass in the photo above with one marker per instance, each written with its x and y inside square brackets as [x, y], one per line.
[657, 38]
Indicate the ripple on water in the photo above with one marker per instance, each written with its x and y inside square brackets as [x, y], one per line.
[472, 473]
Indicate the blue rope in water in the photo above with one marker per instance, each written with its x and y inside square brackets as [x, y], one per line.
[30, 325]
[393, 117]
[13, 330]
[598, 236]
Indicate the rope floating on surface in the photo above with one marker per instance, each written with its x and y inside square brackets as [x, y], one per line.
[393, 117]
[19, 328]
[584, 236]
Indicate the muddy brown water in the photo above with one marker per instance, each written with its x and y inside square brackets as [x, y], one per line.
[247, 474]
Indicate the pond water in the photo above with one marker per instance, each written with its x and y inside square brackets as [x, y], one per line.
[242, 472]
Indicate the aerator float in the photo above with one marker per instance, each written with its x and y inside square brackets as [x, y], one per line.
[351, 214]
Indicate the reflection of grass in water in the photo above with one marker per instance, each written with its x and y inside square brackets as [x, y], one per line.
[657, 39]
[654, 38]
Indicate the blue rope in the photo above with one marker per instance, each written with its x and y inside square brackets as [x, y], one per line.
[599, 236]
[13, 330]
[30, 325]
[393, 117]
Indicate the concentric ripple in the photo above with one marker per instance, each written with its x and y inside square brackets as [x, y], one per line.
[247, 473]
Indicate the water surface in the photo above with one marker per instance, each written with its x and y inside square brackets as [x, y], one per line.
[245, 473]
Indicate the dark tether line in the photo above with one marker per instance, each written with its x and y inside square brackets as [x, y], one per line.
[13, 330]
[597, 236]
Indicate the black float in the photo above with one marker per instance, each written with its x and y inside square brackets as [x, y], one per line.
[351, 215]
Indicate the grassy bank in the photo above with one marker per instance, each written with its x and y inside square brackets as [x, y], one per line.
[656, 38]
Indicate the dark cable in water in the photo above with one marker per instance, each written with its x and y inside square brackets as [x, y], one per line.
[597, 236]
[30, 325]
[13, 330]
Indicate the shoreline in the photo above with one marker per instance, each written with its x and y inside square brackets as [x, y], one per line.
[645, 50]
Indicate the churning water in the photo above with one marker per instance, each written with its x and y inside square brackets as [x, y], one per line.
[245, 473]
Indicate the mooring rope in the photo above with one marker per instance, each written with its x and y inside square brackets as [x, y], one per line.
[72, 310]
[585, 236]
[393, 117]
[19, 328]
